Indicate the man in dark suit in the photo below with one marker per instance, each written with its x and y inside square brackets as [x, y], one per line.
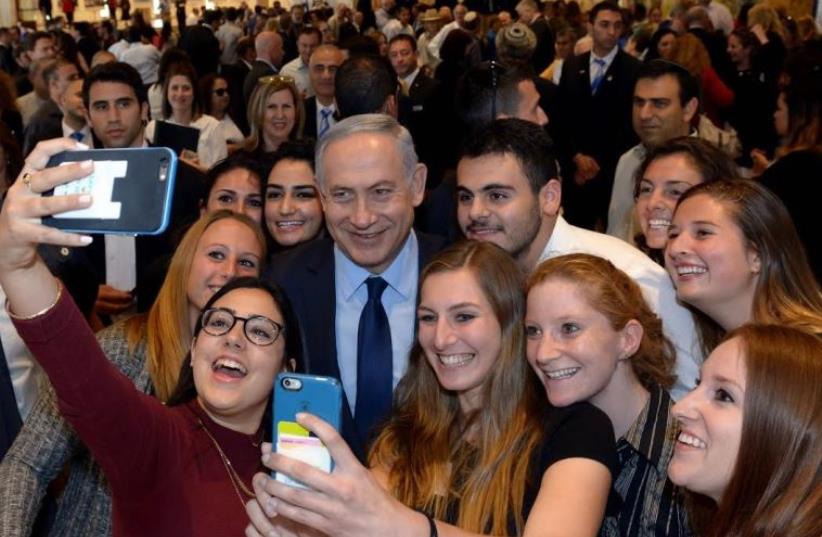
[321, 110]
[594, 116]
[46, 122]
[202, 45]
[269, 49]
[529, 13]
[117, 106]
[235, 76]
[418, 98]
[355, 293]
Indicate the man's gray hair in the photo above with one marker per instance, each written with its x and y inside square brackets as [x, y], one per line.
[368, 123]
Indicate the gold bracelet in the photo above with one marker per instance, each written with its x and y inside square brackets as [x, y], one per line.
[42, 311]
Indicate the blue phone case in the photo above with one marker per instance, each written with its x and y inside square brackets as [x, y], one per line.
[144, 192]
[320, 396]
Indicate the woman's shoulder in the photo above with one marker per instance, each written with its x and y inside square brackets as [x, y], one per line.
[580, 430]
[206, 121]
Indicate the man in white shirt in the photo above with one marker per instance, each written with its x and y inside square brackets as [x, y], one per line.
[308, 40]
[142, 55]
[229, 34]
[666, 98]
[383, 14]
[460, 11]
[508, 193]
[32, 101]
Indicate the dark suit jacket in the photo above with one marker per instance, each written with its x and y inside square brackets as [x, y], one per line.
[235, 76]
[420, 113]
[204, 48]
[45, 124]
[259, 69]
[306, 274]
[544, 53]
[595, 125]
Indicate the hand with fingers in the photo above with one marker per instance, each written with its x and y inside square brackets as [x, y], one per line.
[348, 502]
[23, 275]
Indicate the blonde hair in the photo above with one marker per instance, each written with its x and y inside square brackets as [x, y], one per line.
[767, 17]
[430, 461]
[166, 325]
[256, 110]
[616, 296]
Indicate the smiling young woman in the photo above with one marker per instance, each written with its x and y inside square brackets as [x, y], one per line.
[149, 349]
[181, 469]
[735, 258]
[751, 433]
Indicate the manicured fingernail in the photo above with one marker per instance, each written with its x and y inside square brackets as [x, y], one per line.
[87, 164]
[301, 415]
[81, 146]
[266, 456]
[84, 198]
[85, 239]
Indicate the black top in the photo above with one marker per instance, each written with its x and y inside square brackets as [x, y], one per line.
[577, 431]
[794, 179]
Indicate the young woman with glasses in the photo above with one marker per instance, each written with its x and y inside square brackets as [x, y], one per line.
[216, 102]
[183, 469]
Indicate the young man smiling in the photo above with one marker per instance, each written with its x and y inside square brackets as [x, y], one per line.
[508, 193]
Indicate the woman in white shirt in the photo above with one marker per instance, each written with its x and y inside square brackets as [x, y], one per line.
[181, 106]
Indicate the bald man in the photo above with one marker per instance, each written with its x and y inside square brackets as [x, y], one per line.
[269, 49]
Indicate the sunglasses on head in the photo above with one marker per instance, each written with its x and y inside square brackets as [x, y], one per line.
[275, 79]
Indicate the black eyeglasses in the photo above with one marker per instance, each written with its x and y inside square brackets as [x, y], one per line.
[258, 329]
[221, 92]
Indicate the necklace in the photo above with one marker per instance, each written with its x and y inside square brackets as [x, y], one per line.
[236, 481]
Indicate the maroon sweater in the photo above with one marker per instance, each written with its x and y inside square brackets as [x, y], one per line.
[166, 476]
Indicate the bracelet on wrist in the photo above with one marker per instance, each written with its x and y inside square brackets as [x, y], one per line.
[42, 311]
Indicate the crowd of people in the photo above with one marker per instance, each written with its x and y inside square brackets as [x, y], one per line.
[560, 260]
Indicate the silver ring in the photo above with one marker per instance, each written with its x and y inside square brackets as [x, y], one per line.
[27, 180]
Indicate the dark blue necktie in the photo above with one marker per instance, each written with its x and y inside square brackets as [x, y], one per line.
[10, 421]
[77, 135]
[325, 124]
[374, 362]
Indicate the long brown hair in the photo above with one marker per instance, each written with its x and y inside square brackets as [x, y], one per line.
[430, 461]
[166, 327]
[187, 70]
[786, 291]
[776, 486]
[616, 296]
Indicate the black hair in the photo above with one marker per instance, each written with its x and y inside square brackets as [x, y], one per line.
[170, 57]
[360, 45]
[689, 87]
[120, 72]
[186, 391]
[231, 14]
[310, 30]
[135, 34]
[524, 140]
[607, 5]
[488, 89]
[211, 16]
[653, 46]
[363, 84]
[302, 150]
[34, 37]
[404, 37]
[710, 162]
[238, 161]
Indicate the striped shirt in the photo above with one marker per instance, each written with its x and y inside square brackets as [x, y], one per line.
[648, 504]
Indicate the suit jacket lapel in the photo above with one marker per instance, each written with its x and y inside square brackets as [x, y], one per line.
[321, 290]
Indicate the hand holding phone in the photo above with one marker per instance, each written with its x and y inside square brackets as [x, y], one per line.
[295, 393]
[131, 191]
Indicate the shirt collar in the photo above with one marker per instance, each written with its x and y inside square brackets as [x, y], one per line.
[409, 80]
[608, 58]
[652, 435]
[68, 131]
[351, 276]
